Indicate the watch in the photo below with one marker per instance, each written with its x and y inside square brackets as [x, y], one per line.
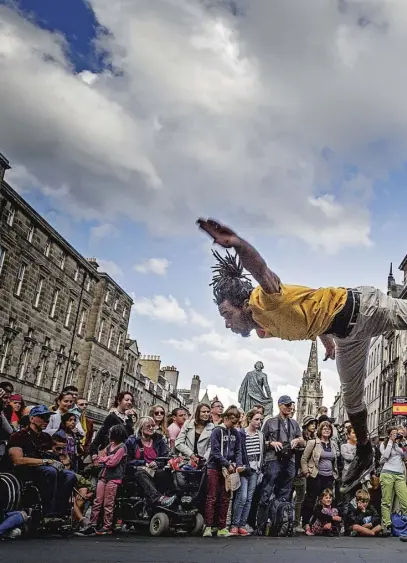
[45, 462]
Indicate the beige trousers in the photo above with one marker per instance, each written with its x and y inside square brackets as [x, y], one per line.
[378, 313]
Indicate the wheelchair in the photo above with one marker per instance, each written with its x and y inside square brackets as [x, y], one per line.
[16, 494]
[182, 517]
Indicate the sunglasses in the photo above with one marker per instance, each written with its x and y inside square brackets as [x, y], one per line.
[149, 427]
[159, 412]
[82, 404]
[60, 449]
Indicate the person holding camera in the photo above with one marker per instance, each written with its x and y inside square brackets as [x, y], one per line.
[319, 464]
[282, 437]
[392, 475]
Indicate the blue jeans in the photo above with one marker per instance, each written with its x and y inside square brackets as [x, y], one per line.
[11, 521]
[55, 487]
[278, 481]
[243, 500]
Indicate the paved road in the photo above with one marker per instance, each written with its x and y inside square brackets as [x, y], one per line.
[128, 549]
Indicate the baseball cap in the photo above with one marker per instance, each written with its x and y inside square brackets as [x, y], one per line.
[285, 400]
[40, 410]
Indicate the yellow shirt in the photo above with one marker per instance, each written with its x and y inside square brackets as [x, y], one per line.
[297, 312]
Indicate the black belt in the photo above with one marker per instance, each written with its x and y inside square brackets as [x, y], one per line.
[345, 320]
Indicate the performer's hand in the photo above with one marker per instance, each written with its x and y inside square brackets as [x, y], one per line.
[221, 234]
[295, 443]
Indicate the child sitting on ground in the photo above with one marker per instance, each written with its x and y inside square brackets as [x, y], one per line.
[325, 520]
[364, 519]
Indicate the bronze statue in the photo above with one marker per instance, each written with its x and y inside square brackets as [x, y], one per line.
[255, 391]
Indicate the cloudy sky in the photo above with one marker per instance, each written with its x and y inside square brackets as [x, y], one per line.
[125, 120]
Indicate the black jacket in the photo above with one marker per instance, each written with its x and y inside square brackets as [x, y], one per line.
[102, 437]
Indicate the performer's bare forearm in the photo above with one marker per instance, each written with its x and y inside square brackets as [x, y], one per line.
[256, 265]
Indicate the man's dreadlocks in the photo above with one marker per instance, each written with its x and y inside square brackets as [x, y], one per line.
[229, 282]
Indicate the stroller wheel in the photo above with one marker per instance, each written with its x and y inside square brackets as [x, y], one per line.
[159, 524]
[199, 525]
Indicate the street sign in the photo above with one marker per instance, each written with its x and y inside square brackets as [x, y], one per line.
[399, 406]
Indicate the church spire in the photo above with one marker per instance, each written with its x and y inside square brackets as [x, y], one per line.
[312, 368]
[390, 279]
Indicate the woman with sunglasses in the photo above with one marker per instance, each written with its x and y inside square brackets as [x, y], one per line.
[143, 448]
[158, 414]
[225, 456]
[120, 414]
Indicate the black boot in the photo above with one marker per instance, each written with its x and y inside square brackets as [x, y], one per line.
[363, 462]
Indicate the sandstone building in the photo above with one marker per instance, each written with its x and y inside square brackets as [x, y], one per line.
[310, 395]
[61, 321]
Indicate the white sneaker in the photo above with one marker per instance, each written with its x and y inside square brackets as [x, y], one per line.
[299, 530]
[249, 529]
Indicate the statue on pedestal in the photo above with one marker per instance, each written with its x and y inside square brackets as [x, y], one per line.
[255, 390]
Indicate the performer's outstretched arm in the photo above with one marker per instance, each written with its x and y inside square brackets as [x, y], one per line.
[250, 258]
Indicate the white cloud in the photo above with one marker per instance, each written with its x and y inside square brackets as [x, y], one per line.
[161, 308]
[111, 268]
[158, 266]
[204, 112]
[198, 319]
[102, 231]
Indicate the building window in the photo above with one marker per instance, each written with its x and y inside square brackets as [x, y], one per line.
[47, 248]
[76, 273]
[6, 349]
[101, 327]
[111, 334]
[101, 389]
[69, 313]
[58, 369]
[30, 234]
[87, 287]
[38, 291]
[2, 257]
[54, 304]
[10, 216]
[62, 261]
[124, 314]
[90, 389]
[119, 343]
[41, 367]
[25, 356]
[20, 280]
[82, 322]
[72, 369]
[116, 304]
[107, 296]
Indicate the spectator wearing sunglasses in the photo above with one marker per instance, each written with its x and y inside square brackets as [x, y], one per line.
[158, 414]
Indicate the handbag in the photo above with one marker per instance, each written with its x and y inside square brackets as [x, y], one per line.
[232, 480]
[399, 524]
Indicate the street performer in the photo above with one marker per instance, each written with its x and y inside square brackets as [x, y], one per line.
[345, 320]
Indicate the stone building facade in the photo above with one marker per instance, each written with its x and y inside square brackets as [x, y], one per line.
[310, 395]
[372, 384]
[153, 385]
[61, 321]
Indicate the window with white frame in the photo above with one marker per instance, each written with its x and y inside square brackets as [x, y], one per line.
[23, 365]
[76, 273]
[54, 304]
[72, 368]
[20, 279]
[58, 369]
[90, 389]
[6, 349]
[30, 233]
[41, 367]
[38, 291]
[87, 286]
[69, 313]
[124, 313]
[82, 322]
[47, 247]
[2, 257]
[10, 216]
[101, 389]
[116, 304]
[62, 261]
[119, 343]
[111, 335]
[101, 328]
[107, 296]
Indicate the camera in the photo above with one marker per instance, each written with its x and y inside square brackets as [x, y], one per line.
[286, 453]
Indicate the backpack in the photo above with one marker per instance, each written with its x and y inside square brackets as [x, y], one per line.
[281, 520]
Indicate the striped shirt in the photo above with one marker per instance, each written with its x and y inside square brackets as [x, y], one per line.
[253, 450]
